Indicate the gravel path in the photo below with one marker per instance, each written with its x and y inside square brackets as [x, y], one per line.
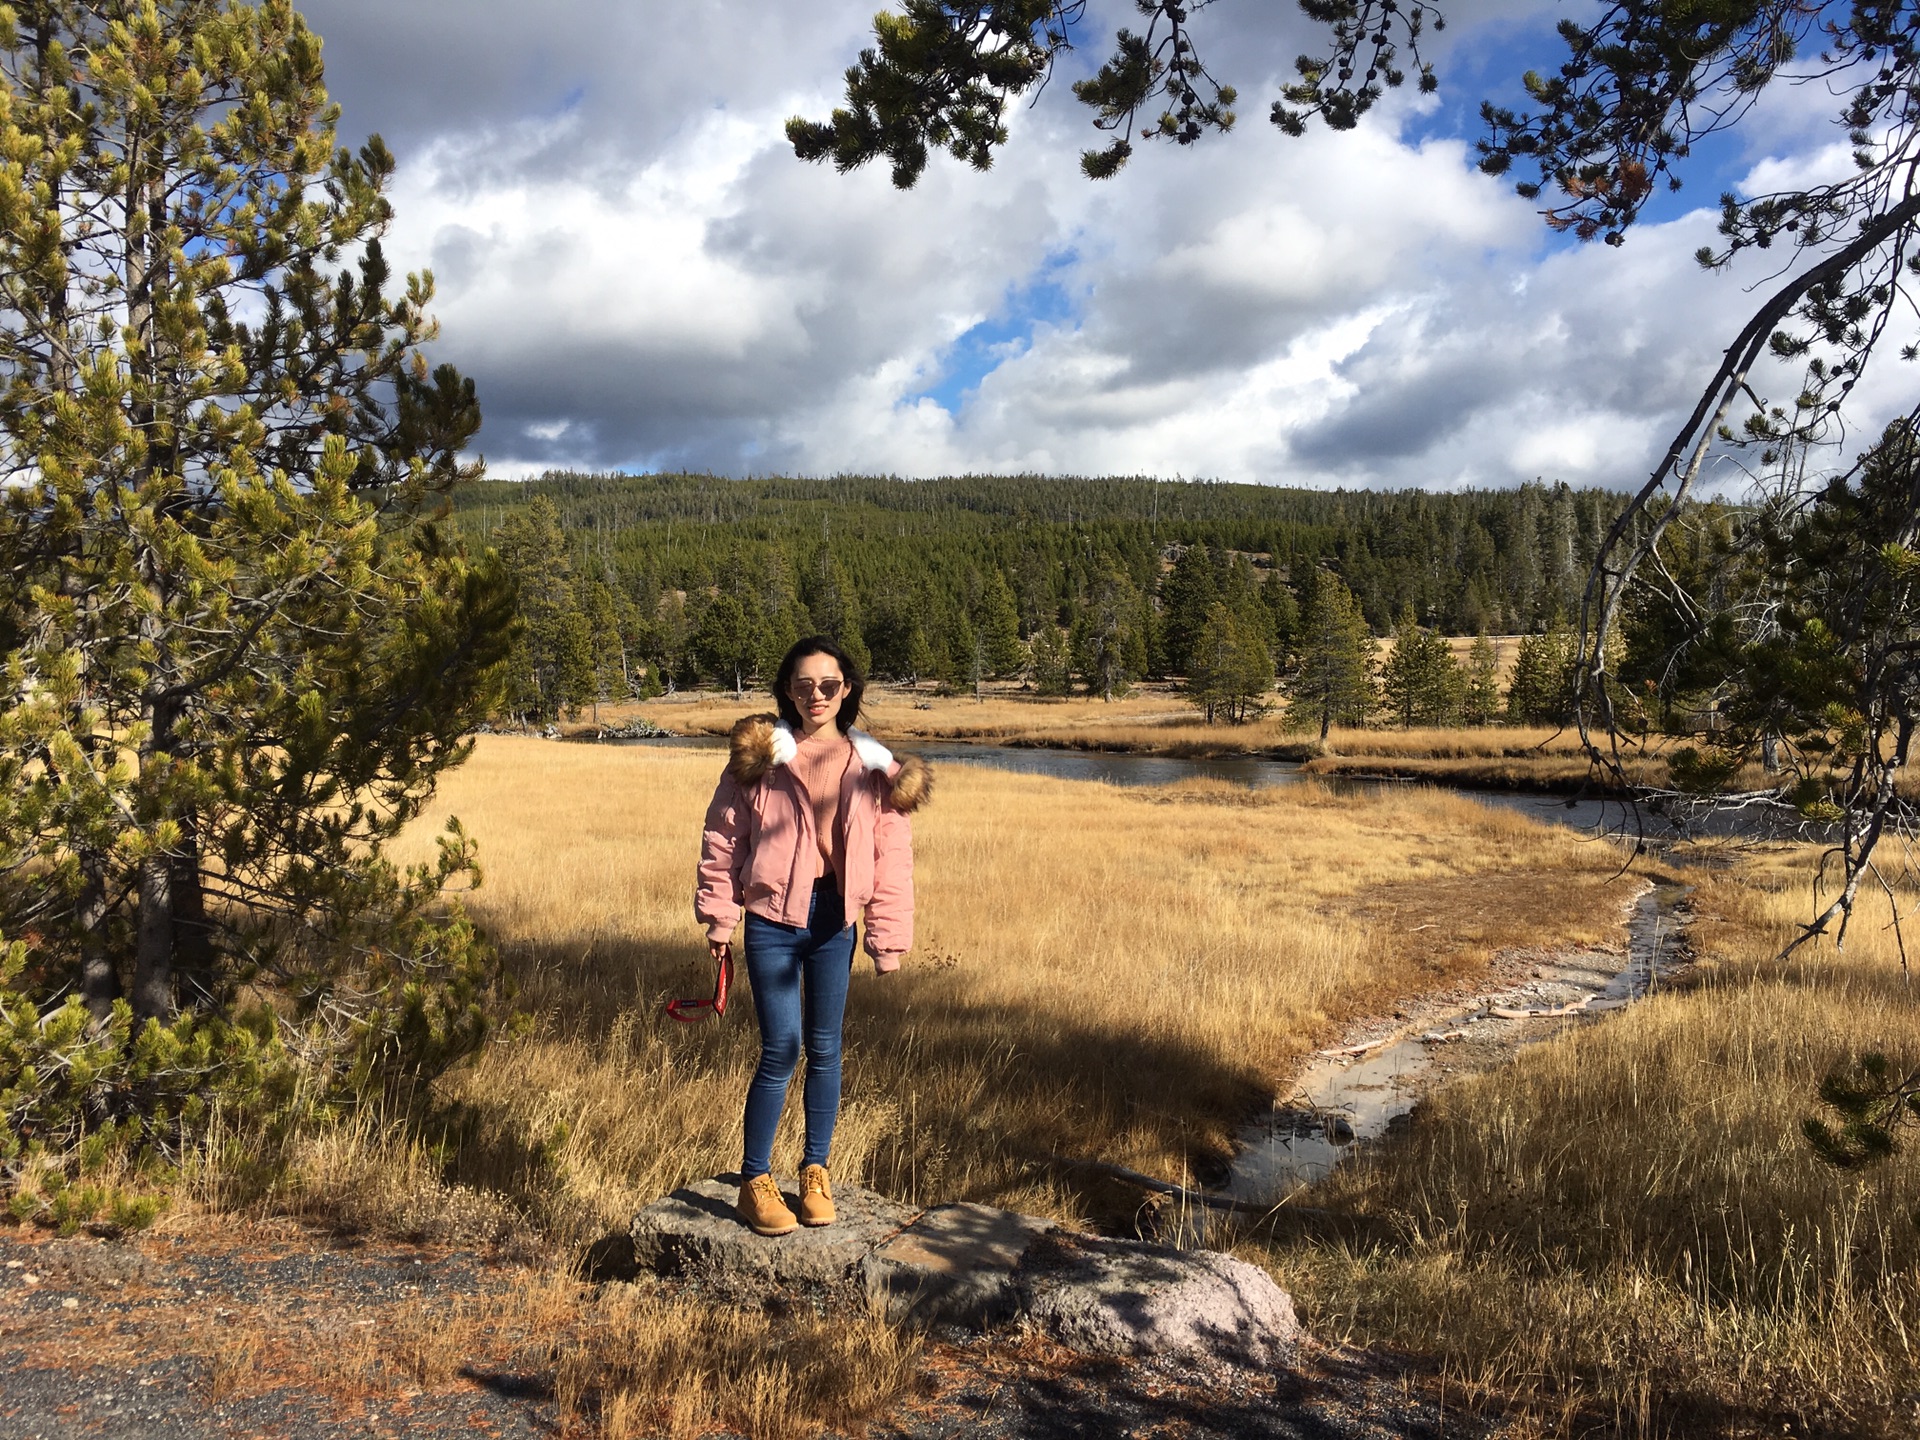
[1031, 1394]
[271, 1331]
[242, 1332]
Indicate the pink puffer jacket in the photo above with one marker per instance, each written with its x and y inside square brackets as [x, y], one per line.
[757, 851]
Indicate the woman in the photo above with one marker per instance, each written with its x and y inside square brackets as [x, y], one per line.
[807, 830]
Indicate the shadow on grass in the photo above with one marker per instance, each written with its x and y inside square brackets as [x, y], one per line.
[997, 1090]
[977, 1095]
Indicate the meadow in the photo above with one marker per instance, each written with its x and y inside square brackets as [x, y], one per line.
[1621, 1233]
[1104, 974]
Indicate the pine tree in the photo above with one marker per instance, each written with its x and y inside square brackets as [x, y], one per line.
[551, 663]
[1402, 680]
[576, 676]
[891, 620]
[1109, 640]
[638, 601]
[1541, 690]
[631, 634]
[1187, 593]
[673, 639]
[1240, 592]
[730, 638]
[1421, 682]
[969, 656]
[1232, 669]
[1334, 684]
[921, 661]
[240, 648]
[1480, 699]
[835, 605]
[973, 646]
[785, 618]
[998, 626]
[1283, 620]
[1051, 661]
[961, 659]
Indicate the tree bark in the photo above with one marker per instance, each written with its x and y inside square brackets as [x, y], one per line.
[153, 951]
[154, 937]
[193, 959]
[99, 980]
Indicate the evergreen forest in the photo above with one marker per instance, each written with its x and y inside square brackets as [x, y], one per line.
[631, 584]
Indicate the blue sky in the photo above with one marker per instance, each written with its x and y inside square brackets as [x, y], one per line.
[1042, 299]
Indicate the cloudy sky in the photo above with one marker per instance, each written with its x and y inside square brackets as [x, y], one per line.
[640, 276]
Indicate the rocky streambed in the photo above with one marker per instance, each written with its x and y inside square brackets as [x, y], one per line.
[1353, 1092]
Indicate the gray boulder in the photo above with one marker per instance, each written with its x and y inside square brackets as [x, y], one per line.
[1119, 1297]
[976, 1266]
[956, 1263]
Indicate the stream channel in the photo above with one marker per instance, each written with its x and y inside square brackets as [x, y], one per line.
[1255, 772]
[1354, 1093]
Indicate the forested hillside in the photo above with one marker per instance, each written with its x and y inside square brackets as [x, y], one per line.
[687, 577]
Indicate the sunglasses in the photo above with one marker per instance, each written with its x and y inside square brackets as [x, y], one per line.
[804, 689]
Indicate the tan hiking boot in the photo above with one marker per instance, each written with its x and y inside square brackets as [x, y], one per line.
[762, 1207]
[816, 1196]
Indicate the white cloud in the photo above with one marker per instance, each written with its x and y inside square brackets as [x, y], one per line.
[638, 273]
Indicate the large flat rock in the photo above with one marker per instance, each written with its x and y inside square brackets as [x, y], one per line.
[956, 1263]
[697, 1231]
[977, 1266]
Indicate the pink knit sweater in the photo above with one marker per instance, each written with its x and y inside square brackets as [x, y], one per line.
[820, 764]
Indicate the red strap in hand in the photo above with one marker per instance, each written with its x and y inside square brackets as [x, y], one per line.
[692, 1010]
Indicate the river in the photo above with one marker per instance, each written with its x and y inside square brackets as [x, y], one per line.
[1255, 772]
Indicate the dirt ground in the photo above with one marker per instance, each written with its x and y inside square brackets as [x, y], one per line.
[218, 1328]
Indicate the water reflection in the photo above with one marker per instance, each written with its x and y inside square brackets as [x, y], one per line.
[1257, 773]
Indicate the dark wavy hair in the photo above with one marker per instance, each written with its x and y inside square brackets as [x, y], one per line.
[849, 712]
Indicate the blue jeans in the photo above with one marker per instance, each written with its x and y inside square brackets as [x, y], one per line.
[799, 978]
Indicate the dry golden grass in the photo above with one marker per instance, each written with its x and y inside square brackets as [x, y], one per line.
[1005, 714]
[620, 1360]
[1493, 757]
[1489, 742]
[1620, 1233]
[1548, 774]
[1101, 973]
[1625, 1232]
[642, 1366]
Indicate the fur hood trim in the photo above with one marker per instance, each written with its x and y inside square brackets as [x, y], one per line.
[913, 785]
[760, 742]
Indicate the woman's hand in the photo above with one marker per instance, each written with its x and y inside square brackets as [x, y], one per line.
[721, 950]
